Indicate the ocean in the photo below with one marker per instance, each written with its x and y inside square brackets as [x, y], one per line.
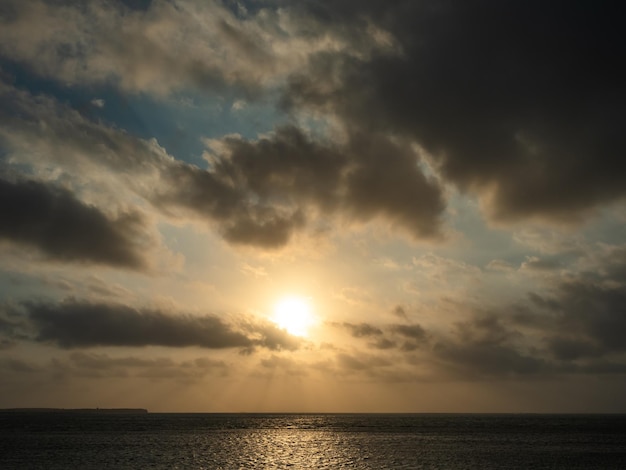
[62, 440]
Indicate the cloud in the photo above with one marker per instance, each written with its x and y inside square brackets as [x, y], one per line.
[352, 363]
[80, 324]
[114, 167]
[161, 47]
[256, 193]
[403, 337]
[382, 343]
[589, 319]
[52, 220]
[535, 263]
[283, 364]
[500, 265]
[264, 229]
[97, 102]
[480, 361]
[105, 366]
[486, 347]
[510, 100]
[529, 122]
[572, 325]
[580, 313]
[409, 331]
[400, 312]
[97, 365]
[367, 177]
[362, 330]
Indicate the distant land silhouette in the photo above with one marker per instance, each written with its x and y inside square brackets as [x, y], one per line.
[76, 410]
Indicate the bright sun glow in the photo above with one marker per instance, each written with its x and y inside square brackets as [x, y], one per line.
[294, 315]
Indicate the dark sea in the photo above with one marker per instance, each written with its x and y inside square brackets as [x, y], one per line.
[62, 440]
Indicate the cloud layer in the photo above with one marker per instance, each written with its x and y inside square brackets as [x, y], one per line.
[55, 222]
[530, 121]
[82, 324]
[459, 161]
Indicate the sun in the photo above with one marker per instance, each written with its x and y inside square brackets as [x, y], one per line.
[294, 315]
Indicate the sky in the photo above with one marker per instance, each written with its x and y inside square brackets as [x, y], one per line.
[313, 206]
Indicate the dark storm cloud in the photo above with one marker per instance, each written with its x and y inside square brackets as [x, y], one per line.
[265, 229]
[286, 166]
[74, 324]
[259, 190]
[137, 4]
[241, 217]
[520, 101]
[52, 220]
[369, 176]
[387, 181]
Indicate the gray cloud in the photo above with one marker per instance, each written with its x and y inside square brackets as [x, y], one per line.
[7, 333]
[105, 366]
[108, 42]
[135, 167]
[403, 337]
[409, 331]
[74, 324]
[362, 330]
[382, 343]
[568, 349]
[52, 220]
[256, 192]
[590, 320]
[538, 264]
[265, 229]
[400, 312]
[286, 365]
[241, 217]
[367, 177]
[479, 361]
[162, 47]
[362, 363]
[96, 365]
[509, 98]
[485, 346]
[573, 327]
[530, 121]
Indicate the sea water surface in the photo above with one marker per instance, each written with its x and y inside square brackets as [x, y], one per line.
[58, 440]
